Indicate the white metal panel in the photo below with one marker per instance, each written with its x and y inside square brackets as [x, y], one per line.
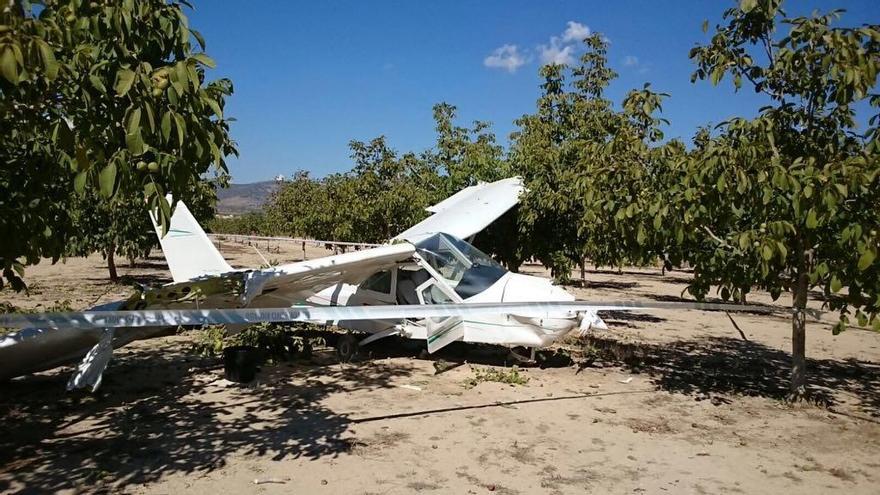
[469, 211]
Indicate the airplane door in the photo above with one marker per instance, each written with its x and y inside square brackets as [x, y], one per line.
[440, 331]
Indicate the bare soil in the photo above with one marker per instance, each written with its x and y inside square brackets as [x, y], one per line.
[666, 401]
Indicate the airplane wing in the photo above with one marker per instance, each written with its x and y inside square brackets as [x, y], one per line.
[305, 278]
[39, 348]
[468, 211]
[50, 339]
[93, 320]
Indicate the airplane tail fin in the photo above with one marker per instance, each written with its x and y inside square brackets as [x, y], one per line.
[189, 252]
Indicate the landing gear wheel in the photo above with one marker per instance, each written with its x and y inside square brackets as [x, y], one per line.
[347, 347]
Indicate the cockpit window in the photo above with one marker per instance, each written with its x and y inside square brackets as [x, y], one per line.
[465, 268]
[379, 282]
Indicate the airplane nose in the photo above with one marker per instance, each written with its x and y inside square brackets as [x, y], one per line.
[524, 288]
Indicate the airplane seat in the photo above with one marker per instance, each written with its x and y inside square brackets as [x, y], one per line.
[407, 282]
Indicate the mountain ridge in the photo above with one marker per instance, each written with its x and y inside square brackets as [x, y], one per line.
[238, 199]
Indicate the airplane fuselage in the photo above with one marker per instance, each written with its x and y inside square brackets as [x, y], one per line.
[423, 282]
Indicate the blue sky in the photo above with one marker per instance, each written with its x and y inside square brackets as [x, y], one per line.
[311, 76]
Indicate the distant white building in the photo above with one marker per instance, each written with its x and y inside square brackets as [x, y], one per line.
[279, 178]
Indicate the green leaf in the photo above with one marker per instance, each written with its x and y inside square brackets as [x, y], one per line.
[836, 284]
[215, 152]
[50, 65]
[97, 83]
[180, 125]
[8, 65]
[766, 252]
[107, 179]
[205, 60]
[135, 143]
[215, 107]
[79, 182]
[134, 121]
[124, 80]
[747, 5]
[744, 241]
[165, 213]
[783, 251]
[199, 39]
[866, 259]
[166, 126]
[151, 121]
[812, 222]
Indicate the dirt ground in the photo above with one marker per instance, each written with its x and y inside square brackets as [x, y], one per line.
[663, 402]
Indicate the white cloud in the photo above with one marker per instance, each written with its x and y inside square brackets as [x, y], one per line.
[633, 63]
[562, 49]
[556, 53]
[507, 57]
[575, 32]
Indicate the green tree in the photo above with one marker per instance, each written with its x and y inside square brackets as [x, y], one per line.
[389, 193]
[121, 226]
[380, 197]
[543, 152]
[294, 208]
[463, 157]
[106, 96]
[252, 223]
[622, 220]
[589, 167]
[788, 201]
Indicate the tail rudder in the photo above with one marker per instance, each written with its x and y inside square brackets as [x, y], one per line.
[188, 251]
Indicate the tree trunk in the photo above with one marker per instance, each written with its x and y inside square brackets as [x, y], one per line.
[583, 271]
[111, 262]
[799, 337]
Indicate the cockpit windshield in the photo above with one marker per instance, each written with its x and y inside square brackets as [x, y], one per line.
[465, 268]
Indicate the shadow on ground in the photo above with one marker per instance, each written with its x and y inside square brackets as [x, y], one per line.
[603, 284]
[726, 365]
[161, 412]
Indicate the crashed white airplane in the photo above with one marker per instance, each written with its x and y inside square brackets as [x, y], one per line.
[426, 283]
